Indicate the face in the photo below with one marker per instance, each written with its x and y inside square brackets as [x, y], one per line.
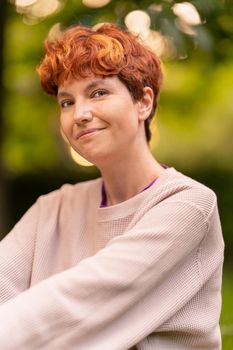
[100, 119]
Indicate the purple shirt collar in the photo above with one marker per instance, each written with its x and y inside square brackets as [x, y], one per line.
[103, 203]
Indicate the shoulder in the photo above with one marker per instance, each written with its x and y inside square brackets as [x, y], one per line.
[70, 193]
[177, 188]
[195, 192]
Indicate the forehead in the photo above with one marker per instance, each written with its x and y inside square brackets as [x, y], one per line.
[85, 84]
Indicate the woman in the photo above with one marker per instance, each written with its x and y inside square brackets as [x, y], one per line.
[133, 258]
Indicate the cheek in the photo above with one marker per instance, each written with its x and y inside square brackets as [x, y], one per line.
[63, 132]
[64, 123]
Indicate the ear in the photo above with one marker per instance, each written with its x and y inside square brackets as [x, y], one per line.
[146, 103]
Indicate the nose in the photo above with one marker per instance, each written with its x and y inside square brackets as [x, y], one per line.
[82, 115]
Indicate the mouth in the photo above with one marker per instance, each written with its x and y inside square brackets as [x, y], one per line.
[88, 132]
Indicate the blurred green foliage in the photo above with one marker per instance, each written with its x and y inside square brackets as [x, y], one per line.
[195, 112]
[194, 119]
[227, 311]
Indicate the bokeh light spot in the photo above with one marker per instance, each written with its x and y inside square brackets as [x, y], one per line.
[79, 159]
[138, 22]
[95, 3]
[187, 12]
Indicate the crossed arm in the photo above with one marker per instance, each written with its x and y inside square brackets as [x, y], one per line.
[113, 299]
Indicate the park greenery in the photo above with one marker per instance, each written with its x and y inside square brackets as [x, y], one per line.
[195, 113]
[193, 126]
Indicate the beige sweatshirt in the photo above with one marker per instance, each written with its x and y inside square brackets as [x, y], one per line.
[145, 272]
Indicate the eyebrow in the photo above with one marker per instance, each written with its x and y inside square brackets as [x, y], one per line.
[63, 94]
[89, 87]
[94, 83]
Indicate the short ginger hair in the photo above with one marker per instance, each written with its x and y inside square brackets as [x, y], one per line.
[82, 52]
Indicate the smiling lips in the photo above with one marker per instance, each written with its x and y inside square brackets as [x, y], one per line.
[87, 132]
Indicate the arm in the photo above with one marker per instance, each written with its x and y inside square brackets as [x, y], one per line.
[16, 256]
[117, 297]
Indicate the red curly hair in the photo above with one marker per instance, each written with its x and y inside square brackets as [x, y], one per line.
[82, 52]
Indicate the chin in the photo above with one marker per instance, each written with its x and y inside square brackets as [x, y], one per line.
[98, 157]
[94, 158]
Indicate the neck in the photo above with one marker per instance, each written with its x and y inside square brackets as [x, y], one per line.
[129, 176]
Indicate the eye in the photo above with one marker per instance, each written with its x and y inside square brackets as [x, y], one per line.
[66, 103]
[99, 93]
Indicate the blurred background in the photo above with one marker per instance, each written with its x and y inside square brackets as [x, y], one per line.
[193, 127]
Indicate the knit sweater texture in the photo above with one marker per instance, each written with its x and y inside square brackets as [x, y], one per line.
[146, 272]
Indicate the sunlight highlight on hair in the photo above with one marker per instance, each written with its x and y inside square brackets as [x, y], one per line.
[108, 47]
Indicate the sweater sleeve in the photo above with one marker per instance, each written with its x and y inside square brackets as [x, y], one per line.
[16, 256]
[117, 297]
